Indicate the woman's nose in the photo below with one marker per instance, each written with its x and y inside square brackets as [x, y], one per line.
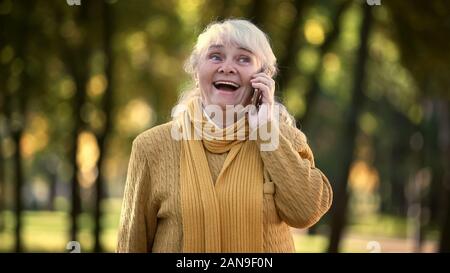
[227, 67]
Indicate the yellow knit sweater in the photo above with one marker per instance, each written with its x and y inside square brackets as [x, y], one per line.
[297, 195]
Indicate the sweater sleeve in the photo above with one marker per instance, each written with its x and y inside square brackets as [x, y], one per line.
[138, 217]
[302, 192]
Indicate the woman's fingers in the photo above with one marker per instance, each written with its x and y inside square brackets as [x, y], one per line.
[264, 79]
[263, 87]
[268, 85]
[267, 94]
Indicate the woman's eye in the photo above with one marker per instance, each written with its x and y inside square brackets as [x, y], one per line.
[244, 59]
[215, 57]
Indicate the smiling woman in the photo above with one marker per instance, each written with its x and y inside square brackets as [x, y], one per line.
[224, 75]
[222, 192]
[226, 57]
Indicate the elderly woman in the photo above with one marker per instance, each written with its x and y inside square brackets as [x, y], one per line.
[203, 182]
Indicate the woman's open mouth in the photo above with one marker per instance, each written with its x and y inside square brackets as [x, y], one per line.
[226, 86]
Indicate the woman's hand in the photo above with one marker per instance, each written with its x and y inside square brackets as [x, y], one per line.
[266, 86]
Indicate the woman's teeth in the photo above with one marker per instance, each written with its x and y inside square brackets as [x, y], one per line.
[226, 85]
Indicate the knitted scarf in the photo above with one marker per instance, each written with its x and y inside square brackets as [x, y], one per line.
[225, 216]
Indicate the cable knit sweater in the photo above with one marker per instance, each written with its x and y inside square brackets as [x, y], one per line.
[297, 195]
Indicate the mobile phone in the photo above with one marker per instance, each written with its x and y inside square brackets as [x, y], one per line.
[257, 96]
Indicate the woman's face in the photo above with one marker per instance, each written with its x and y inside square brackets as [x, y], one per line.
[224, 74]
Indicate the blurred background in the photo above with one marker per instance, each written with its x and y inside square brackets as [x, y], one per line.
[367, 81]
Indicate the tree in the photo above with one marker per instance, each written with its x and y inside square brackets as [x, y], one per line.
[16, 104]
[108, 29]
[350, 130]
[424, 52]
[75, 52]
[287, 63]
[3, 91]
[314, 88]
[444, 118]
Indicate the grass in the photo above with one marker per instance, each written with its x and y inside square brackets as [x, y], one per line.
[310, 243]
[48, 231]
[380, 225]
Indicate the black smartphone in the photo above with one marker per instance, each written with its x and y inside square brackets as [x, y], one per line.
[257, 97]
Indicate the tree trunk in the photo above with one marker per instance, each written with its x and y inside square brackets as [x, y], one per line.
[79, 99]
[287, 64]
[17, 135]
[339, 212]
[2, 185]
[314, 89]
[257, 12]
[444, 140]
[107, 108]
[52, 190]
[16, 108]
[3, 91]
[76, 58]
[398, 180]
